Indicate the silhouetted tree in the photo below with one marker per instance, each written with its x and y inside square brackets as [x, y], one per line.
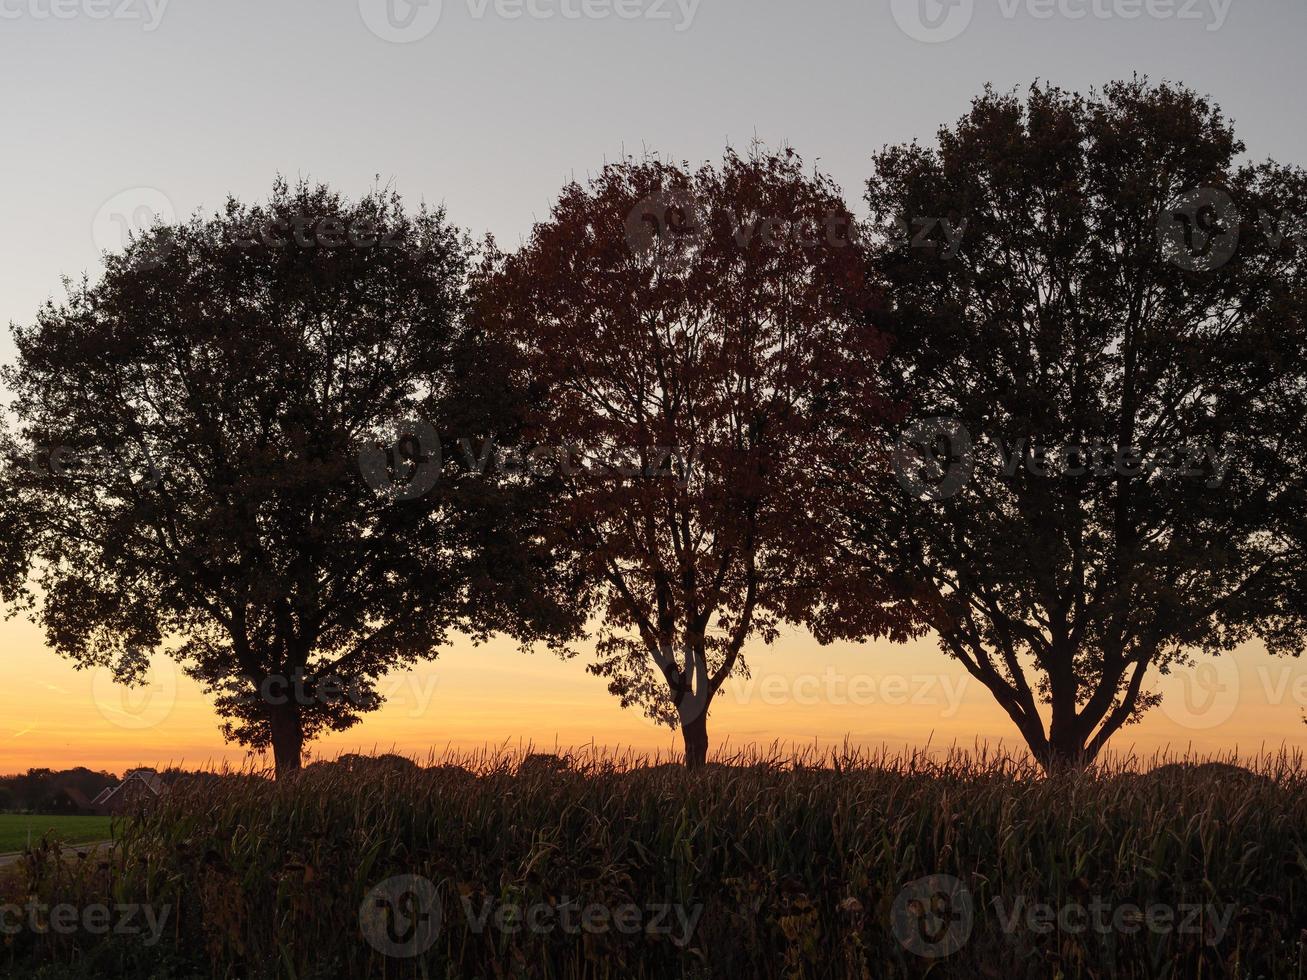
[1072, 278]
[47, 791]
[671, 329]
[203, 467]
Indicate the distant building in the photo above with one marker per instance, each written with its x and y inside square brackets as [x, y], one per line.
[67, 800]
[138, 788]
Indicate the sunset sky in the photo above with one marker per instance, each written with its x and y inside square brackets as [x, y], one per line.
[491, 115]
[876, 696]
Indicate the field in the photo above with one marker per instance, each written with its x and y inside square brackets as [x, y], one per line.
[15, 829]
[851, 868]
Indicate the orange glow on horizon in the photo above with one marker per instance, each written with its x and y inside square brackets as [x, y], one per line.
[874, 696]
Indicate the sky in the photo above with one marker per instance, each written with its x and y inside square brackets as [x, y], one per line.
[118, 110]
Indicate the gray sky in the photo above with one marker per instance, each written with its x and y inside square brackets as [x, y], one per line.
[492, 105]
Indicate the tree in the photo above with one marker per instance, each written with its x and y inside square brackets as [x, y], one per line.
[202, 466]
[1095, 327]
[671, 328]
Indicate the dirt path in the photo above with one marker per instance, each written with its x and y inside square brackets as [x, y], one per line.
[90, 847]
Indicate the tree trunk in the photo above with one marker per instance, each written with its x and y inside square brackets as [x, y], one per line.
[695, 734]
[1061, 756]
[287, 737]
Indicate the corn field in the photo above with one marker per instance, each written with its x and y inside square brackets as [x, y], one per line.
[842, 865]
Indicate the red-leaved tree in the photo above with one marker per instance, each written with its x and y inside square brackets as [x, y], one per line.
[677, 332]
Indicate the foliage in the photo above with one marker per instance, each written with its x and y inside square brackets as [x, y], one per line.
[37, 789]
[202, 470]
[674, 330]
[1098, 360]
[795, 864]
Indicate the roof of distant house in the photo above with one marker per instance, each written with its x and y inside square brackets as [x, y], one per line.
[78, 797]
[147, 776]
[144, 777]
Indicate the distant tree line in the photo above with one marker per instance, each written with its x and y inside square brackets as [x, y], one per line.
[45, 790]
[66, 791]
[1046, 403]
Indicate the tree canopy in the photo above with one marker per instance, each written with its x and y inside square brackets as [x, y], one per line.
[1087, 365]
[674, 328]
[222, 456]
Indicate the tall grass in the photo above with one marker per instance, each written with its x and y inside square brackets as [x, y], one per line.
[789, 866]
